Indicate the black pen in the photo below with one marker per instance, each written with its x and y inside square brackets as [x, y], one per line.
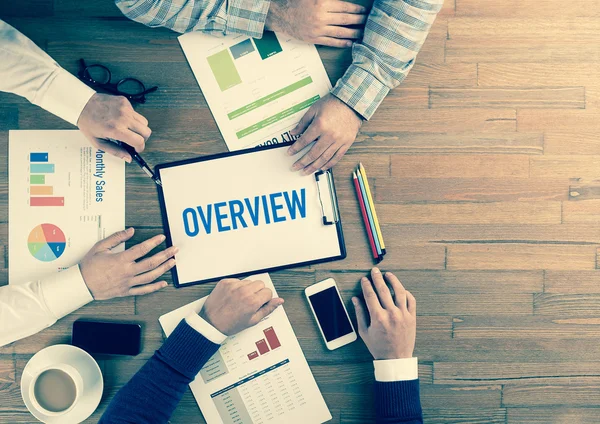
[140, 161]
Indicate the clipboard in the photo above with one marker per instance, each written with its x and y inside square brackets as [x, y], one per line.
[245, 212]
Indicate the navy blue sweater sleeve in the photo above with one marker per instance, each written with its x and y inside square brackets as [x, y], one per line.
[398, 402]
[153, 393]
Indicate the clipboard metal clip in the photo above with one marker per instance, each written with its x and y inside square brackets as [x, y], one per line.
[335, 216]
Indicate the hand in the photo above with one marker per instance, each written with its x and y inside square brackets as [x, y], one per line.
[317, 21]
[113, 117]
[393, 328]
[333, 125]
[235, 305]
[108, 274]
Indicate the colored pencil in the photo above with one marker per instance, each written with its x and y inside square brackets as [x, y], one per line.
[372, 203]
[364, 215]
[370, 221]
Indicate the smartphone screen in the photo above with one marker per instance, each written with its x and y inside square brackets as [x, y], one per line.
[330, 313]
[110, 338]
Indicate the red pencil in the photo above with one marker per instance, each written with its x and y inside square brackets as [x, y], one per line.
[363, 210]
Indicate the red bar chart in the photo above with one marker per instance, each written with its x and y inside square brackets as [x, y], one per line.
[262, 347]
[272, 337]
[253, 355]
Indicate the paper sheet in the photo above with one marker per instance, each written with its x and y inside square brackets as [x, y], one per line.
[258, 376]
[64, 196]
[257, 90]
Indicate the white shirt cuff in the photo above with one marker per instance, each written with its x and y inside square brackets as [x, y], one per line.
[65, 292]
[65, 96]
[201, 326]
[396, 369]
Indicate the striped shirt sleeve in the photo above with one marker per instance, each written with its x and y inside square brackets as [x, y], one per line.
[226, 16]
[394, 34]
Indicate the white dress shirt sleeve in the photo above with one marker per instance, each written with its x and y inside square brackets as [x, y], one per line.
[201, 326]
[28, 308]
[396, 369]
[26, 70]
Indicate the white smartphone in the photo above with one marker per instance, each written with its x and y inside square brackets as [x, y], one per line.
[332, 317]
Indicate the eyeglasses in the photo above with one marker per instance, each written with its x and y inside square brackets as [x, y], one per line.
[99, 76]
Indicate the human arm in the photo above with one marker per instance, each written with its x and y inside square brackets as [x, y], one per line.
[27, 71]
[153, 393]
[323, 22]
[394, 33]
[27, 308]
[387, 325]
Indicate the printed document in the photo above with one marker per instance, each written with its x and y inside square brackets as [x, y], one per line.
[64, 196]
[257, 90]
[257, 376]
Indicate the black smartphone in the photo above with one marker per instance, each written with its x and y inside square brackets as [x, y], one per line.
[110, 338]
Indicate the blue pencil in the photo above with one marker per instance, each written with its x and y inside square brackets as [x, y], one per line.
[370, 215]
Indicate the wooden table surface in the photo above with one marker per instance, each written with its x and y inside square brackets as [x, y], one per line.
[485, 167]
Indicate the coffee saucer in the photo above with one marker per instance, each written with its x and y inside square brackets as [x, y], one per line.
[93, 384]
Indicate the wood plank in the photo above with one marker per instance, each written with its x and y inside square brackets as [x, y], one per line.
[472, 213]
[568, 282]
[424, 74]
[585, 211]
[531, 74]
[33, 8]
[564, 166]
[7, 370]
[551, 395]
[460, 166]
[469, 190]
[554, 415]
[509, 372]
[558, 120]
[536, 327]
[566, 305]
[559, 143]
[408, 143]
[446, 120]
[584, 190]
[440, 416]
[9, 118]
[531, 98]
[581, 29]
[452, 282]
[528, 9]
[520, 256]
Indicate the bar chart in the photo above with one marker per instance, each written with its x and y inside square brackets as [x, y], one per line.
[41, 193]
[262, 346]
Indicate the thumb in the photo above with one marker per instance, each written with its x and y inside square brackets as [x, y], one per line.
[266, 309]
[361, 315]
[113, 149]
[115, 239]
[304, 122]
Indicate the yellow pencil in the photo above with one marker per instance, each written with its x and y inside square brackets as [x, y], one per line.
[372, 205]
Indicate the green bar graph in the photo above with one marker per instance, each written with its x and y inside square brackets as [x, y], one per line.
[224, 70]
[269, 98]
[268, 45]
[37, 179]
[277, 117]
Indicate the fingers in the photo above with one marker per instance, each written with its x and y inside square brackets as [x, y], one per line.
[314, 153]
[153, 262]
[346, 19]
[385, 297]
[344, 32]
[150, 276]
[371, 298]
[399, 291]
[412, 303]
[310, 135]
[133, 139]
[318, 164]
[361, 316]
[141, 129]
[333, 42]
[303, 124]
[115, 239]
[336, 158]
[254, 286]
[147, 289]
[346, 7]
[142, 249]
[266, 310]
[140, 118]
[112, 149]
[263, 296]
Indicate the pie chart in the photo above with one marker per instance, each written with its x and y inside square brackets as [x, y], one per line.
[46, 242]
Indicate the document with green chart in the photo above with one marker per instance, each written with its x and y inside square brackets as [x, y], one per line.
[257, 89]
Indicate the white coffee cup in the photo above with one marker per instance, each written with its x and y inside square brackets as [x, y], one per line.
[72, 373]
